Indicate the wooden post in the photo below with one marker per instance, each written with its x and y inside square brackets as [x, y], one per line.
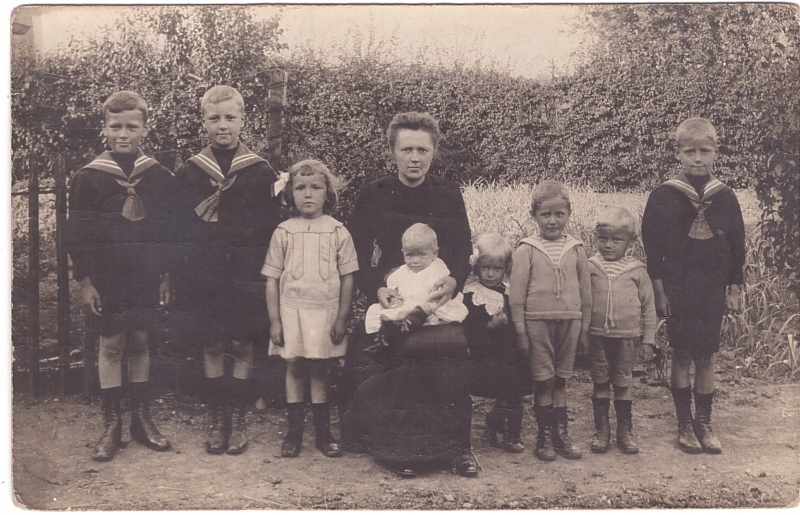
[62, 267]
[277, 101]
[33, 276]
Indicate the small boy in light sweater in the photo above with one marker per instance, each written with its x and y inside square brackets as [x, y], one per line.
[623, 310]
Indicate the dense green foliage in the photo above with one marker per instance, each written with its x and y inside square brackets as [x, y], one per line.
[608, 124]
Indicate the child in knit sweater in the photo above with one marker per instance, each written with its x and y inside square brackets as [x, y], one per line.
[623, 310]
[551, 302]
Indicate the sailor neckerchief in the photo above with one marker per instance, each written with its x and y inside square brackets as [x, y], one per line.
[133, 208]
[700, 229]
[206, 161]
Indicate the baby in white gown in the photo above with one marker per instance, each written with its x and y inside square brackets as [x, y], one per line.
[414, 281]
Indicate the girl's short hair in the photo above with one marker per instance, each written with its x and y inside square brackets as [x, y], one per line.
[416, 122]
[125, 101]
[548, 190]
[219, 94]
[700, 128]
[312, 167]
[491, 245]
[617, 217]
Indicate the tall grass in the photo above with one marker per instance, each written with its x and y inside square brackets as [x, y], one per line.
[761, 336]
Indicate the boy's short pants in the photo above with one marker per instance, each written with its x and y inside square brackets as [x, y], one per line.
[553, 344]
[126, 304]
[612, 359]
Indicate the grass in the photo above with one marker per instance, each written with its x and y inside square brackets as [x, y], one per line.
[762, 337]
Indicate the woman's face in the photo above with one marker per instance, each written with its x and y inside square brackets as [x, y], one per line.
[413, 152]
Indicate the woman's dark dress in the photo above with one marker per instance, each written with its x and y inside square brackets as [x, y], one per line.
[694, 272]
[417, 409]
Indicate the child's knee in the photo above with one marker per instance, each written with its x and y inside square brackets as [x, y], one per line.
[241, 350]
[681, 358]
[703, 362]
[214, 350]
[112, 348]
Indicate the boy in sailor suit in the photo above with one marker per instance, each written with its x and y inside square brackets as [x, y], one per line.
[118, 211]
[229, 210]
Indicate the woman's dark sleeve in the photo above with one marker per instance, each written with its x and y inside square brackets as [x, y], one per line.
[737, 243]
[82, 227]
[360, 225]
[654, 234]
[462, 240]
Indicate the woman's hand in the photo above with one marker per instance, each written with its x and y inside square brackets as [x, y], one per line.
[338, 331]
[498, 320]
[90, 296]
[389, 298]
[276, 333]
[442, 291]
[733, 300]
[164, 290]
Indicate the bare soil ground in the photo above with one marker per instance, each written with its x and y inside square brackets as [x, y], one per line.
[758, 423]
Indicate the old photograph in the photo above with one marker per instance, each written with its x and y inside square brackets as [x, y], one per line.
[403, 257]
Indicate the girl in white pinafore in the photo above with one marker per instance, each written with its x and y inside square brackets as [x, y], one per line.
[309, 270]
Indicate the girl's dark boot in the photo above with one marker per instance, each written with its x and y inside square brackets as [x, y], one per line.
[702, 425]
[240, 395]
[513, 441]
[295, 414]
[601, 441]
[143, 429]
[625, 440]
[106, 446]
[562, 443]
[322, 430]
[687, 441]
[544, 442]
[217, 441]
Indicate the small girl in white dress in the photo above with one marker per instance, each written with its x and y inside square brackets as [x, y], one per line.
[414, 284]
[309, 270]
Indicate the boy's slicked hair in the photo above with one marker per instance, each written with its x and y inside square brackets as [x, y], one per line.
[219, 94]
[421, 234]
[617, 217]
[125, 101]
[695, 127]
[492, 245]
[306, 168]
[416, 122]
[547, 190]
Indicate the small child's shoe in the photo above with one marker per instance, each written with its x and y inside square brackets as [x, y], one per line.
[513, 445]
[625, 440]
[601, 441]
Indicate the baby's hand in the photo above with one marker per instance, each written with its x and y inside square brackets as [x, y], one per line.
[389, 298]
[498, 320]
[276, 334]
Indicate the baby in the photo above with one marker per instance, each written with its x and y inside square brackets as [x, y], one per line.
[414, 283]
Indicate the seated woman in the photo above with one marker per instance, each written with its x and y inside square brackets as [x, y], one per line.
[416, 413]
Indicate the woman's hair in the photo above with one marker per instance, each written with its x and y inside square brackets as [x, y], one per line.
[219, 94]
[125, 101]
[699, 128]
[617, 217]
[491, 245]
[416, 122]
[312, 167]
[548, 190]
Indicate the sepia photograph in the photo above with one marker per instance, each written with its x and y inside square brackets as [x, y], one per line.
[403, 257]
